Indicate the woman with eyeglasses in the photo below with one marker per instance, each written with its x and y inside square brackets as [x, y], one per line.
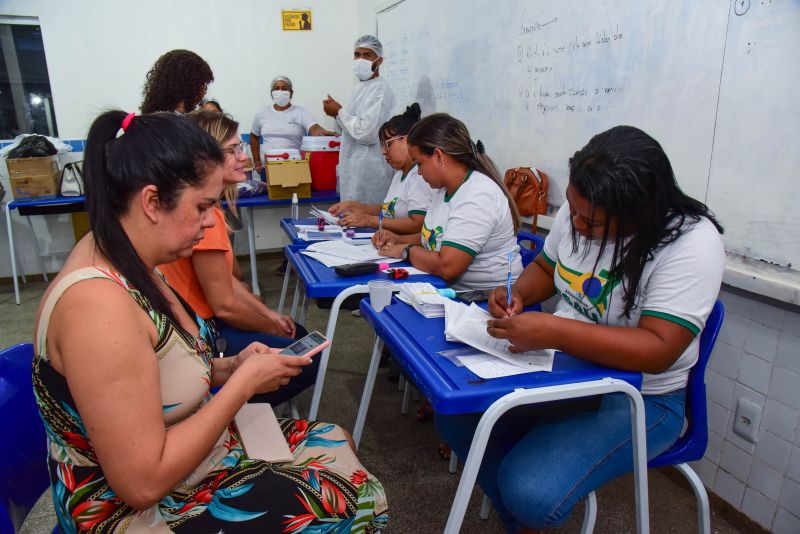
[409, 195]
[206, 281]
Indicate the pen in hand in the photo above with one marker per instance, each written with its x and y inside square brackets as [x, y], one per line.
[380, 226]
[508, 281]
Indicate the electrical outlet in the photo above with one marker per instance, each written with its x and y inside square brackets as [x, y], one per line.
[748, 417]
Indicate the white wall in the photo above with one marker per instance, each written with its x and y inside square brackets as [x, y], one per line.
[98, 53]
[757, 357]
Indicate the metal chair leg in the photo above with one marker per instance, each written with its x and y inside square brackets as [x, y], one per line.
[703, 511]
[589, 514]
[406, 398]
[485, 504]
[453, 463]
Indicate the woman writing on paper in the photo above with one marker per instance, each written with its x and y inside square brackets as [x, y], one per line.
[206, 280]
[409, 194]
[471, 224]
[122, 376]
[638, 266]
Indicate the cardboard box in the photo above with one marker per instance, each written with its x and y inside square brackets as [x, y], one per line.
[33, 177]
[287, 177]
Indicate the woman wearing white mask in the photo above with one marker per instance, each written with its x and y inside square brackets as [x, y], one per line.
[282, 125]
[364, 175]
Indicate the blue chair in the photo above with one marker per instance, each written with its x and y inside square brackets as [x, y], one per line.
[691, 446]
[528, 254]
[23, 454]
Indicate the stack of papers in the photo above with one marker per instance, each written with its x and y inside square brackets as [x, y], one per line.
[467, 324]
[423, 297]
[311, 232]
[335, 253]
[329, 219]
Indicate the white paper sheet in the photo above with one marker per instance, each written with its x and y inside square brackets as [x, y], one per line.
[353, 252]
[330, 219]
[467, 324]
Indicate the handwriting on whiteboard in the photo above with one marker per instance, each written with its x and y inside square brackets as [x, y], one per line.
[549, 85]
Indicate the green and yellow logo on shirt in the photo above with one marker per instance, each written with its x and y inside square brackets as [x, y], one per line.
[587, 292]
[388, 208]
[430, 235]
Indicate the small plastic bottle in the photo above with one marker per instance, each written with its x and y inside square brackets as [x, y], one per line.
[295, 207]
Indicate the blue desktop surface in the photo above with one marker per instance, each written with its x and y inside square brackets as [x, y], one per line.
[323, 282]
[414, 342]
[264, 200]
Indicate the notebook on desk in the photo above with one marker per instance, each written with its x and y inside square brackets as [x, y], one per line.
[262, 437]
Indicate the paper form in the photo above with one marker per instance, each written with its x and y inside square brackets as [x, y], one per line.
[467, 324]
[335, 253]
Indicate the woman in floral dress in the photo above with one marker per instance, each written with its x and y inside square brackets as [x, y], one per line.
[122, 376]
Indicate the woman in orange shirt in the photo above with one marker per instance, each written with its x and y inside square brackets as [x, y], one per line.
[206, 280]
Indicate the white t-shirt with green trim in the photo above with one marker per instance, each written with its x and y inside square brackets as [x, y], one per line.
[408, 195]
[680, 284]
[477, 220]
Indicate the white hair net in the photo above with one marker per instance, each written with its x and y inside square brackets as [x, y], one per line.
[371, 42]
[281, 78]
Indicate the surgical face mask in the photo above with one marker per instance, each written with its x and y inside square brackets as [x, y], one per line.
[362, 68]
[281, 98]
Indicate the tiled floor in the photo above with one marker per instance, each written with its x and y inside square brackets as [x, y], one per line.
[399, 451]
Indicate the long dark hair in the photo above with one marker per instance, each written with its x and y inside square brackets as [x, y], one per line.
[177, 76]
[400, 124]
[162, 149]
[451, 136]
[625, 172]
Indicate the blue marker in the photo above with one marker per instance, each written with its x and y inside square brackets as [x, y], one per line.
[508, 283]
[380, 225]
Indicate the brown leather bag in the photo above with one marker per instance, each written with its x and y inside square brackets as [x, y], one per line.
[528, 188]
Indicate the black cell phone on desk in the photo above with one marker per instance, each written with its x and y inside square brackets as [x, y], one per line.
[307, 346]
[356, 269]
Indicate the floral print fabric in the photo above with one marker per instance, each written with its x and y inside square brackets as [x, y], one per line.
[324, 490]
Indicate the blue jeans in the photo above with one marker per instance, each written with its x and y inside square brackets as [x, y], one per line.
[238, 340]
[538, 467]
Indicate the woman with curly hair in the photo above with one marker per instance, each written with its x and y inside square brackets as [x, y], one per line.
[177, 82]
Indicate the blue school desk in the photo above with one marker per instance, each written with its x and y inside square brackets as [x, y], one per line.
[36, 206]
[289, 228]
[322, 282]
[58, 204]
[415, 341]
[247, 204]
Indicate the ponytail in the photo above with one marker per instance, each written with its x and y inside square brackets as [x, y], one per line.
[451, 136]
[161, 149]
[484, 164]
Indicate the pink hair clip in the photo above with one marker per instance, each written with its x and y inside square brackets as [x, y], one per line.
[126, 122]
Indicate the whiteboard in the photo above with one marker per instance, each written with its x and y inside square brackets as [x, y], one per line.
[535, 80]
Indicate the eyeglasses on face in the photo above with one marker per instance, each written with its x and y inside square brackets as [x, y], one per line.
[385, 144]
[238, 148]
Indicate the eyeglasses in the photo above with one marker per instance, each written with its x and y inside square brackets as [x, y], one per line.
[238, 148]
[387, 143]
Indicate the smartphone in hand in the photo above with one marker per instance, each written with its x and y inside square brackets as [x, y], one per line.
[307, 346]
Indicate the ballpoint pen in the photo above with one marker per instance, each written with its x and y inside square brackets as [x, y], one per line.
[380, 226]
[508, 282]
